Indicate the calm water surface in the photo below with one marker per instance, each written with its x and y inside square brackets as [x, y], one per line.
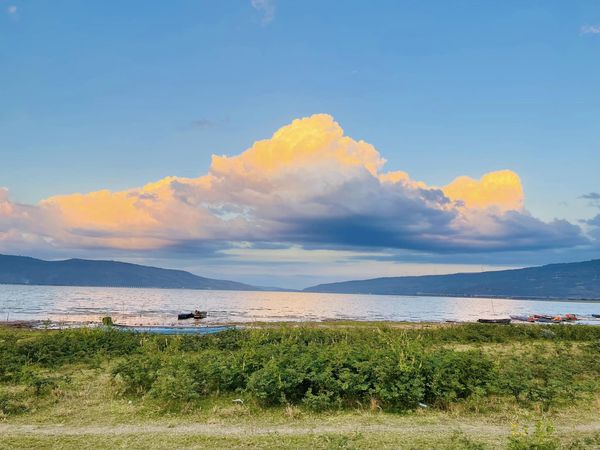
[160, 306]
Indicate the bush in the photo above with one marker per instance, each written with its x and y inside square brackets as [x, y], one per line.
[398, 381]
[283, 379]
[175, 383]
[11, 404]
[541, 439]
[54, 348]
[40, 383]
[138, 373]
[320, 368]
[541, 376]
[452, 375]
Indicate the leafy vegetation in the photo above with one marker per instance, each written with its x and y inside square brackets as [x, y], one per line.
[320, 368]
[312, 371]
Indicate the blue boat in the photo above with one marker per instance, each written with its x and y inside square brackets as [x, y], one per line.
[172, 330]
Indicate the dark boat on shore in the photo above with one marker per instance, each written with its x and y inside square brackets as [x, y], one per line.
[547, 320]
[193, 315]
[500, 321]
[596, 316]
[521, 318]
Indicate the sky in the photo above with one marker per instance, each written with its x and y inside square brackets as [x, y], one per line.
[292, 143]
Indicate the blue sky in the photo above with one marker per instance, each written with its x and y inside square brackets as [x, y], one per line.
[113, 95]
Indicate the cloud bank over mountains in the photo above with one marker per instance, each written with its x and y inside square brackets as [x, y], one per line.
[309, 185]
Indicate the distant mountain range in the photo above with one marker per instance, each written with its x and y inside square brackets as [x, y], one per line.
[579, 280]
[555, 281]
[83, 272]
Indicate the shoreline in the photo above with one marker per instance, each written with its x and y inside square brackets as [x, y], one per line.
[46, 325]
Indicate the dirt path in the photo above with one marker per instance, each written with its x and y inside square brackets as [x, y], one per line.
[248, 430]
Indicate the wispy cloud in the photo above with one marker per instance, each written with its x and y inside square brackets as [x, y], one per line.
[266, 8]
[12, 11]
[590, 29]
[592, 197]
[202, 124]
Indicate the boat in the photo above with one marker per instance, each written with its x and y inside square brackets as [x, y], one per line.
[200, 314]
[520, 318]
[596, 316]
[548, 320]
[193, 315]
[500, 321]
[156, 329]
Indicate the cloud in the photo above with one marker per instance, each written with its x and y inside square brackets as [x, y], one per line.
[501, 188]
[590, 29]
[202, 124]
[206, 124]
[308, 185]
[594, 230]
[594, 221]
[12, 11]
[266, 8]
[593, 198]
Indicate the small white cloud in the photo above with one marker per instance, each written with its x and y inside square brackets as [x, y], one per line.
[590, 29]
[12, 10]
[266, 8]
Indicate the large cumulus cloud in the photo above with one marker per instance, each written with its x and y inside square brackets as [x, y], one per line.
[307, 185]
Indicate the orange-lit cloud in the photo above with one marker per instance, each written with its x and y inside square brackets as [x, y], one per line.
[501, 189]
[309, 184]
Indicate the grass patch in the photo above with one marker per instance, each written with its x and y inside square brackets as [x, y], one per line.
[305, 378]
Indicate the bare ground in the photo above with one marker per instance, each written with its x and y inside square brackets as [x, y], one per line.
[473, 428]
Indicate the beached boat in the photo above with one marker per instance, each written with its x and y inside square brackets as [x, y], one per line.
[520, 318]
[548, 319]
[500, 321]
[193, 315]
[544, 318]
[200, 314]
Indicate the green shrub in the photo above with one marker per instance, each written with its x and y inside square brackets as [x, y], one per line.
[541, 439]
[175, 383]
[68, 346]
[452, 375]
[398, 381]
[460, 441]
[138, 373]
[321, 401]
[541, 375]
[39, 382]
[320, 368]
[281, 380]
[12, 404]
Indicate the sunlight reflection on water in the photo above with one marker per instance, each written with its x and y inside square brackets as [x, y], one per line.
[161, 306]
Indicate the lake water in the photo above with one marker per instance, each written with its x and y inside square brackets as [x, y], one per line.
[161, 306]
